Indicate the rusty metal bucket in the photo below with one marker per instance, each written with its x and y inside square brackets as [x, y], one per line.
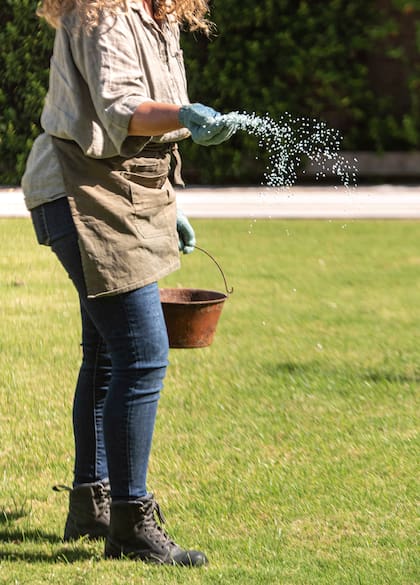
[192, 314]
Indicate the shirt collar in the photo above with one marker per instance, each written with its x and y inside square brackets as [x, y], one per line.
[138, 7]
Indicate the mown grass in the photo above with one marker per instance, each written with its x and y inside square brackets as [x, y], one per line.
[287, 450]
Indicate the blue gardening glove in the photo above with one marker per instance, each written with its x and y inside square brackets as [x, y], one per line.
[207, 126]
[186, 233]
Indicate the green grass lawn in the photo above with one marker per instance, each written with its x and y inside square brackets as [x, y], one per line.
[287, 450]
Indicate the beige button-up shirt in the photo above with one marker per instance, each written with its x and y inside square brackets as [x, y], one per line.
[97, 80]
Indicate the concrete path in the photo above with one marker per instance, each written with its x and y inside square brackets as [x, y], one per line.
[322, 202]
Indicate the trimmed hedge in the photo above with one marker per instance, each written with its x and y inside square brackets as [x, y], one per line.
[26, 45]
[353, 63]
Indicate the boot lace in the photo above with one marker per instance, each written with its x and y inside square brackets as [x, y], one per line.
[102, 496]
[155, 531]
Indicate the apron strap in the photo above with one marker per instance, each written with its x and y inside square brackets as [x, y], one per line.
[178, 180]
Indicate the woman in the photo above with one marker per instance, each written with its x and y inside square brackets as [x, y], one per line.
[97, 188]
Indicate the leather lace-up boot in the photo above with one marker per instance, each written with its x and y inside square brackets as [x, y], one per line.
[135, 533]
[89, 510]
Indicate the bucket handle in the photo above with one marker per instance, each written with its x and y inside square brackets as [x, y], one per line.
[228, 289]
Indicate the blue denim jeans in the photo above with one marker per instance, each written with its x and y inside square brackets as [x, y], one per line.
[125, 353]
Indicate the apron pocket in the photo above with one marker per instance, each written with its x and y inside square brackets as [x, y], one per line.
[154, 211]
[146, 176]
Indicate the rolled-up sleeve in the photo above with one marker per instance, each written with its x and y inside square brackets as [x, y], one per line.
[99, 78]
[109, 63]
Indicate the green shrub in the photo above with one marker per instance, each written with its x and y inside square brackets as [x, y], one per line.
[328, 60]
[26, 45]
[354, 64]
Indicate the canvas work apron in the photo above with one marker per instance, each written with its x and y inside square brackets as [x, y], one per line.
[124, 211]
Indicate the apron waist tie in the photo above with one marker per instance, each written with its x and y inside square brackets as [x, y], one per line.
[178, 180]
[172, 148]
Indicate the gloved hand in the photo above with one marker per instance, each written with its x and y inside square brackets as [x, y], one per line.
[186, 233]
[207, 126]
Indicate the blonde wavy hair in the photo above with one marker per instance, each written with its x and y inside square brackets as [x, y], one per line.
[189, 13]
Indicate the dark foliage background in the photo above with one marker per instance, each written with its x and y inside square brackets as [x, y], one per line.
[26, 45]
[354, 64]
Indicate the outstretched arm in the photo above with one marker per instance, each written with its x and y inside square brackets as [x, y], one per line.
[207, 126]
[154, 119]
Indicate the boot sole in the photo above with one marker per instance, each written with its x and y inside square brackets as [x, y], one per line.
[118, 552]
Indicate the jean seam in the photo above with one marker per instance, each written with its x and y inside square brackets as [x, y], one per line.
[94, 410]
[129, 407]
[45, 223]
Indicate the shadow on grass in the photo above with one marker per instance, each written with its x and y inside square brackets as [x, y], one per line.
[7, 516]
[394, 377]
[26, 544]
[23, 536]
[63, 556]
[312, 368]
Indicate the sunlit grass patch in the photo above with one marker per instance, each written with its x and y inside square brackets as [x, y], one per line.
[287, 450]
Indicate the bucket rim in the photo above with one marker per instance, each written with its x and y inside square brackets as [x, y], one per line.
[220, 296]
